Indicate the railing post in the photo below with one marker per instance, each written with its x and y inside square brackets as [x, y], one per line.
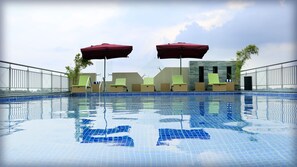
[41, 80]
[266, 78]
[52, 82]
[256, 81]
[28, 80]
[60, 82]
[282, 86]
[9, 78]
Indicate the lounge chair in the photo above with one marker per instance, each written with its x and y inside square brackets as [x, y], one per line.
[119, 85]
[148, 85]
[178, 85]
[213, 80]
[84, 84]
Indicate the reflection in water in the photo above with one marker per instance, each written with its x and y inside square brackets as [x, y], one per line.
[169, 134]
[229, 111]
[248, 104]
[179, 106]
[201, 108]
[117, 140]
[14, 113]
[269, 114]
[96, 135]
[90, 132]
[222, 112]
[214, 107]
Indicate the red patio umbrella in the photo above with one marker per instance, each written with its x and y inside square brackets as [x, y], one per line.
[181, 50]
[106, 51]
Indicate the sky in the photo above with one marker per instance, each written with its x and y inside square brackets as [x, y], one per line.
[48, 34]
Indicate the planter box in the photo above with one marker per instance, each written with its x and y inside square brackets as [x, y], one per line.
[95, 88]
[230, 86]
[136, 88]
[165, 87]
[199, 86]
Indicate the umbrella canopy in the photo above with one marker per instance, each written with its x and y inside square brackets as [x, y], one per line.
[181, 50]
[106, 51]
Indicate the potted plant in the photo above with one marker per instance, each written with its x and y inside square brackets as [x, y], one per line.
[241, 58]
[74, 72]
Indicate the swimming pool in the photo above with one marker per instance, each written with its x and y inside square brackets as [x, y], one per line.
[207, 129]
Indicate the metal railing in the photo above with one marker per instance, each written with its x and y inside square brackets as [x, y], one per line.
[19, 78]
[275, 77]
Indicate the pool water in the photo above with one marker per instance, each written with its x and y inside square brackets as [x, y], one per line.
[150, 130]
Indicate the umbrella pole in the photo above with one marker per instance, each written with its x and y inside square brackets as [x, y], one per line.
[105, 116]
[181, 120]
[104, 89]
[180, 65]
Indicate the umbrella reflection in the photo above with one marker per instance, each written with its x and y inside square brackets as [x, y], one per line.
[169, 134]
[92, 135]
[118, 129]
[117, 140]
[166, 134]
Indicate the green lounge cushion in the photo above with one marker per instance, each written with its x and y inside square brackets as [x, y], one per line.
[148, 81]
[213, 79]
[84, 80]
[119, 82]
[177, 80]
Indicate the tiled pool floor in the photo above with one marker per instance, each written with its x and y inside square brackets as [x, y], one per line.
[196, 130]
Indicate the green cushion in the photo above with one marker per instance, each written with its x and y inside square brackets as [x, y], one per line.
[177, 79]
[120, 82]
[213, 78]
[148, 81]
[83, 80]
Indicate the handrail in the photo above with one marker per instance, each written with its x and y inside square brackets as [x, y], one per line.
[274, 77]
[16, 78]
[38, 68]
[269, 65]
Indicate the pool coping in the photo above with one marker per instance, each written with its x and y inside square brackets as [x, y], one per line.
[125, 94]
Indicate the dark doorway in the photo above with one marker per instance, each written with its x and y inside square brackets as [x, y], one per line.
[248, 84]
[201, 74]
[229, 73]
[215, 69]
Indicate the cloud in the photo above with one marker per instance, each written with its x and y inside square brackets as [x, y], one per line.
[207, 20]
[238, 4]
[58, 31]
[213, 19]
[62, 18]
[168, 34]
[216, 18]
[54, 32]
